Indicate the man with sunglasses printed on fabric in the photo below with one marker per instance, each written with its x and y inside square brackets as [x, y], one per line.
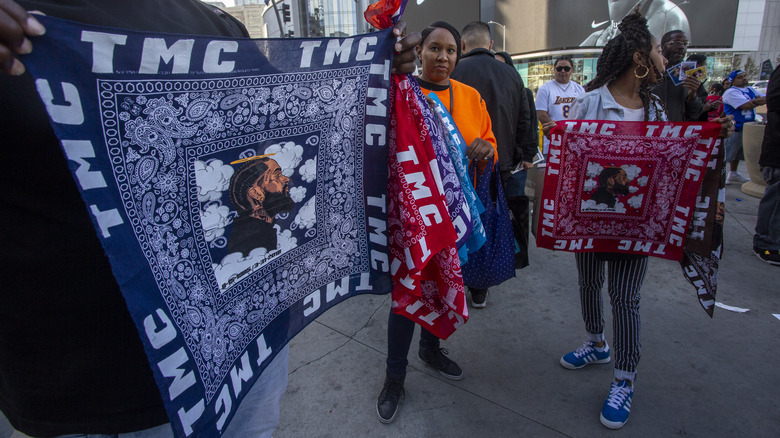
[554, 98]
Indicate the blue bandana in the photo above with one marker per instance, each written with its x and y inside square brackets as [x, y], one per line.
[238, 187]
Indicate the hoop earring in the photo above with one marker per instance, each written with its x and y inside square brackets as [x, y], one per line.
[638, 76]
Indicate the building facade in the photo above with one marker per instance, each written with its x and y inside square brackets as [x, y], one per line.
[248, 12]
[316, 18]
[731, 33]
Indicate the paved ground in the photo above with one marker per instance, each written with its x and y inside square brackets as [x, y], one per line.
[698, 376]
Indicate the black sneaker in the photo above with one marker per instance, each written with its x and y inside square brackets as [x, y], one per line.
[768, 255]
[478, 297]
[435, 357]
[387, 403]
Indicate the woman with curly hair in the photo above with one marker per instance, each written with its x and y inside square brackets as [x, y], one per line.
[630, 64]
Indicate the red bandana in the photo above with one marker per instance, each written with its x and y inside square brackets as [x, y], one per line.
[427, 280]
[628, 187]
[671, 206]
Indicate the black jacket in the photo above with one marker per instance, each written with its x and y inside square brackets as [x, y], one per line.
[675, 99]
[504, 93]
[770, 148]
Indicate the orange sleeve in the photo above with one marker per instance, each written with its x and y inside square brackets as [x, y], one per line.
[470, 114]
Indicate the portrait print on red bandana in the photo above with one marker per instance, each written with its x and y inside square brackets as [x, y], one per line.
[616, 186]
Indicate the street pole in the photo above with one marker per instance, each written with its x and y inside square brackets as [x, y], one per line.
[503, 33]
[278, 17]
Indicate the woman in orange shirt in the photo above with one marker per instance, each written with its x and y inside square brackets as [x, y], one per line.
[439, 52]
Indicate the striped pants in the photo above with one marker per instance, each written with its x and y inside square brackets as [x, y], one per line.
[625, 280]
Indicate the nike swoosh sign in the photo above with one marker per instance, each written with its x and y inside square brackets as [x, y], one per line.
[595, 25]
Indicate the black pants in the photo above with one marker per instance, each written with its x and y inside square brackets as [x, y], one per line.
[399, 338]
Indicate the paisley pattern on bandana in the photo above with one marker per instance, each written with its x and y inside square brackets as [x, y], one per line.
[238, 187]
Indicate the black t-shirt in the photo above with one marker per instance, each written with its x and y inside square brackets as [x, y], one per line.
[71, 360]
[770, 148]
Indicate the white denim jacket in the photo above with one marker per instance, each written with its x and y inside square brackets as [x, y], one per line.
[600, 105]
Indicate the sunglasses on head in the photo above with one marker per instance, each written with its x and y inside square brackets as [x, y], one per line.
[563, 68]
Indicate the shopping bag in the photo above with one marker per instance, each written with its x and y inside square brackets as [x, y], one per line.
[494, 263]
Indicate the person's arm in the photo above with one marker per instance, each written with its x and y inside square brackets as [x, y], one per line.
[750, 104]
[485, 146]
[736, 99]
[726, 125]
[531, 140]
[543, 117]
[541, 105]
[15, 25]
[693, 106]
[523, 126]
[712, 103]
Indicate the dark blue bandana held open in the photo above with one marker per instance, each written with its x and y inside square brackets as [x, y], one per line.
[238, 188]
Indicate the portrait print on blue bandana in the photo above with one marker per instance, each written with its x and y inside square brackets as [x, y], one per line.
[258, 205]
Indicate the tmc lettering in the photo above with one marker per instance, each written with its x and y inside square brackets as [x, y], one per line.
[418, 307]
[157, 51]
[679, 226]
[70, 112]
[341, 50]
[338, 289]
[376, 107]
[160, 331]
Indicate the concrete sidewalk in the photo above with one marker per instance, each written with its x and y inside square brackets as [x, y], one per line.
[698, 376]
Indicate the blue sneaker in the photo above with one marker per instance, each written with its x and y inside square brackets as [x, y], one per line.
[617, 406]
[585, 355]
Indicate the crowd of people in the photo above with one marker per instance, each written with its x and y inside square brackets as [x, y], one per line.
[75, 314]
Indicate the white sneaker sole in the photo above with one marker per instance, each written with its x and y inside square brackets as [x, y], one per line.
[390, 420]
[570, 366]
[736, 180]
[612, 424]
[766, 261]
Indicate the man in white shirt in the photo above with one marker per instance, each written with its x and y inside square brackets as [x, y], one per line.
[555, 98]
[739, 101]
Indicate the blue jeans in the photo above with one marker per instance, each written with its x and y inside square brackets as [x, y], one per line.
[733, 147]
[257, 416]
[768, 222]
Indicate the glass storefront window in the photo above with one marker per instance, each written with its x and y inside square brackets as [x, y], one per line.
[537, 71]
